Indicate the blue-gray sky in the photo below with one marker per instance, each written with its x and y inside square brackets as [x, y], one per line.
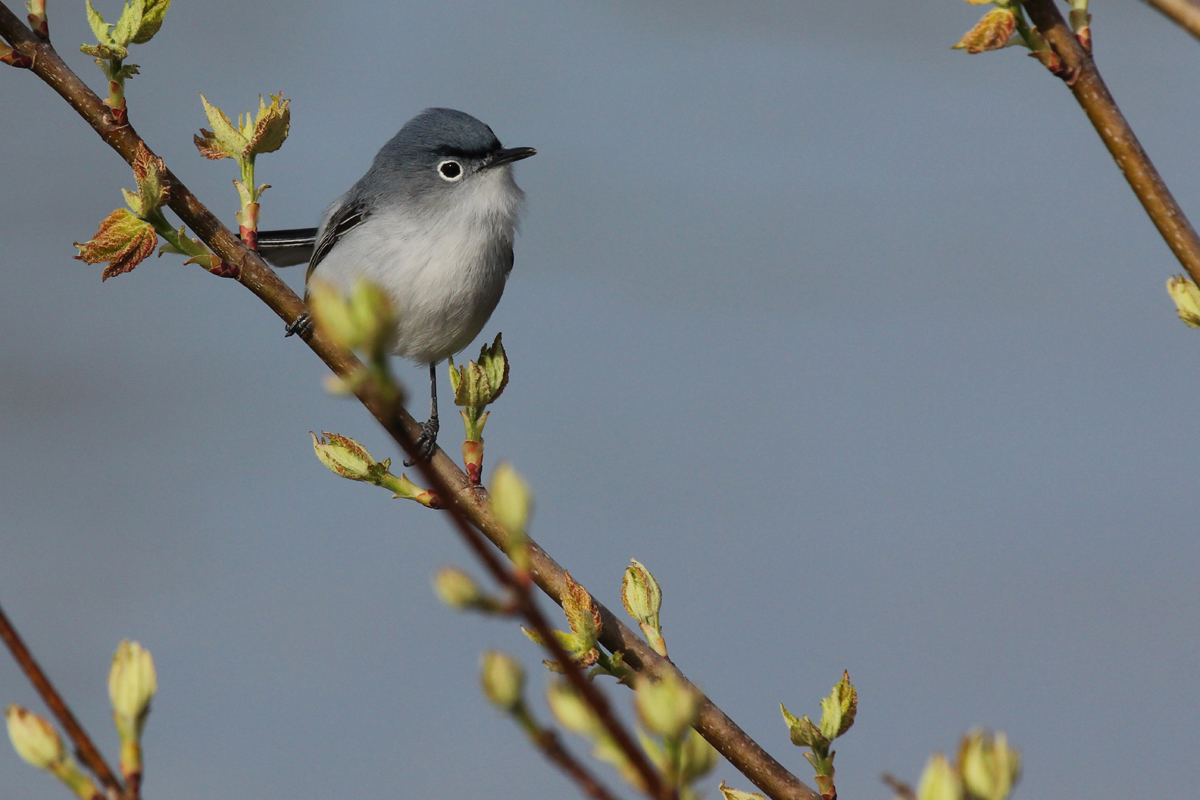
[859, 343]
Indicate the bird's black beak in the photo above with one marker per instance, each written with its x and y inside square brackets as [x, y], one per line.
[508, 155]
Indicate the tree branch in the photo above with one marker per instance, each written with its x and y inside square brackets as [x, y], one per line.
[552, 749]
[1184, 13]
[1088, 87]
[83, 743]
[464, 502]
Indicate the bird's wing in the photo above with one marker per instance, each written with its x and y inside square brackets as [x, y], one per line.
[344, 219]
[287, 248]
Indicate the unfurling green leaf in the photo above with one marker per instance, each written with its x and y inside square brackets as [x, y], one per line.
[99, 27]
[123, 240]
[479, 383]
[224, 140]
[729, 793]
[129, 22]
[151, 175]
[153, 12]
[581, 612]
[992, 32]
[271, 126]
[839, 708]
[803, 731]
[106, 52]
[264, 133]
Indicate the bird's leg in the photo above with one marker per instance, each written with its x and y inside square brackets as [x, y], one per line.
[427, 443]
[302, 325]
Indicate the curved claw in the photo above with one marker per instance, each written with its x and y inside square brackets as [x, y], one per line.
[427, 442]
[302, 325]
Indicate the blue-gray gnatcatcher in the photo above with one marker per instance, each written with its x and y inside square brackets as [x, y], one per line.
[432, 223]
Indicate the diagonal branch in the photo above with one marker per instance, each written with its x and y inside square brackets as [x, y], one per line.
[83, 743]
[547, 741]
[1088, 87]
[1184, 13]
[467, 505]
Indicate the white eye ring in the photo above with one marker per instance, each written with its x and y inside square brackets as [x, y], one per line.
[450, 170]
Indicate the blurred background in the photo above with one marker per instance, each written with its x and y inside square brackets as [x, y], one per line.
[860, 344]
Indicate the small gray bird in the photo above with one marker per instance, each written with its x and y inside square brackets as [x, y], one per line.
[432, 223]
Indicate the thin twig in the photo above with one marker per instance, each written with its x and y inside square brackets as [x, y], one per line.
[903, 790]
[445, 477]
[547, 741]
[53, 700]
[1088, 87]
[527, 607]
[1184, 13]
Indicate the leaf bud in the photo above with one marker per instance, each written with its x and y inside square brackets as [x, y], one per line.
[992, 32]
[642, 598]
[667, 706]
[503, 680]
[132, 683]
[1186, 295]
[697, 759]
[512, 501]
[989, 768]
[34, 738]
[459, 590]
[344, 456]
[570, 710]
[939, 781]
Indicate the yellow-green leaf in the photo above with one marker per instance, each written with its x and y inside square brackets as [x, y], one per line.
[98, 25]
[104, 51]
[130, 21]
[839, 708]
[803, 731]
[150, 172]
[270, 126]
[123, 240]
[729, 793]
[990, 33]
[153, 12]
[582, 614]
[223, 131]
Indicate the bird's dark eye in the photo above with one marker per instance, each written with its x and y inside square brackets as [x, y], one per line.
[450, 170]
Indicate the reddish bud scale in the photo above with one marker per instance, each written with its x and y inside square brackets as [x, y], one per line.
[249, 237]
[1053, 62]
[826, 788]
[473, 461]
[40, 27]
[13, 58]
[226, 270]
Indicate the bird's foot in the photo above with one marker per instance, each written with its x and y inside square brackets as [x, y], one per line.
[302, 325]
[427, 441]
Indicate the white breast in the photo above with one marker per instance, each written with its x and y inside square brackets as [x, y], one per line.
[444, 265]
